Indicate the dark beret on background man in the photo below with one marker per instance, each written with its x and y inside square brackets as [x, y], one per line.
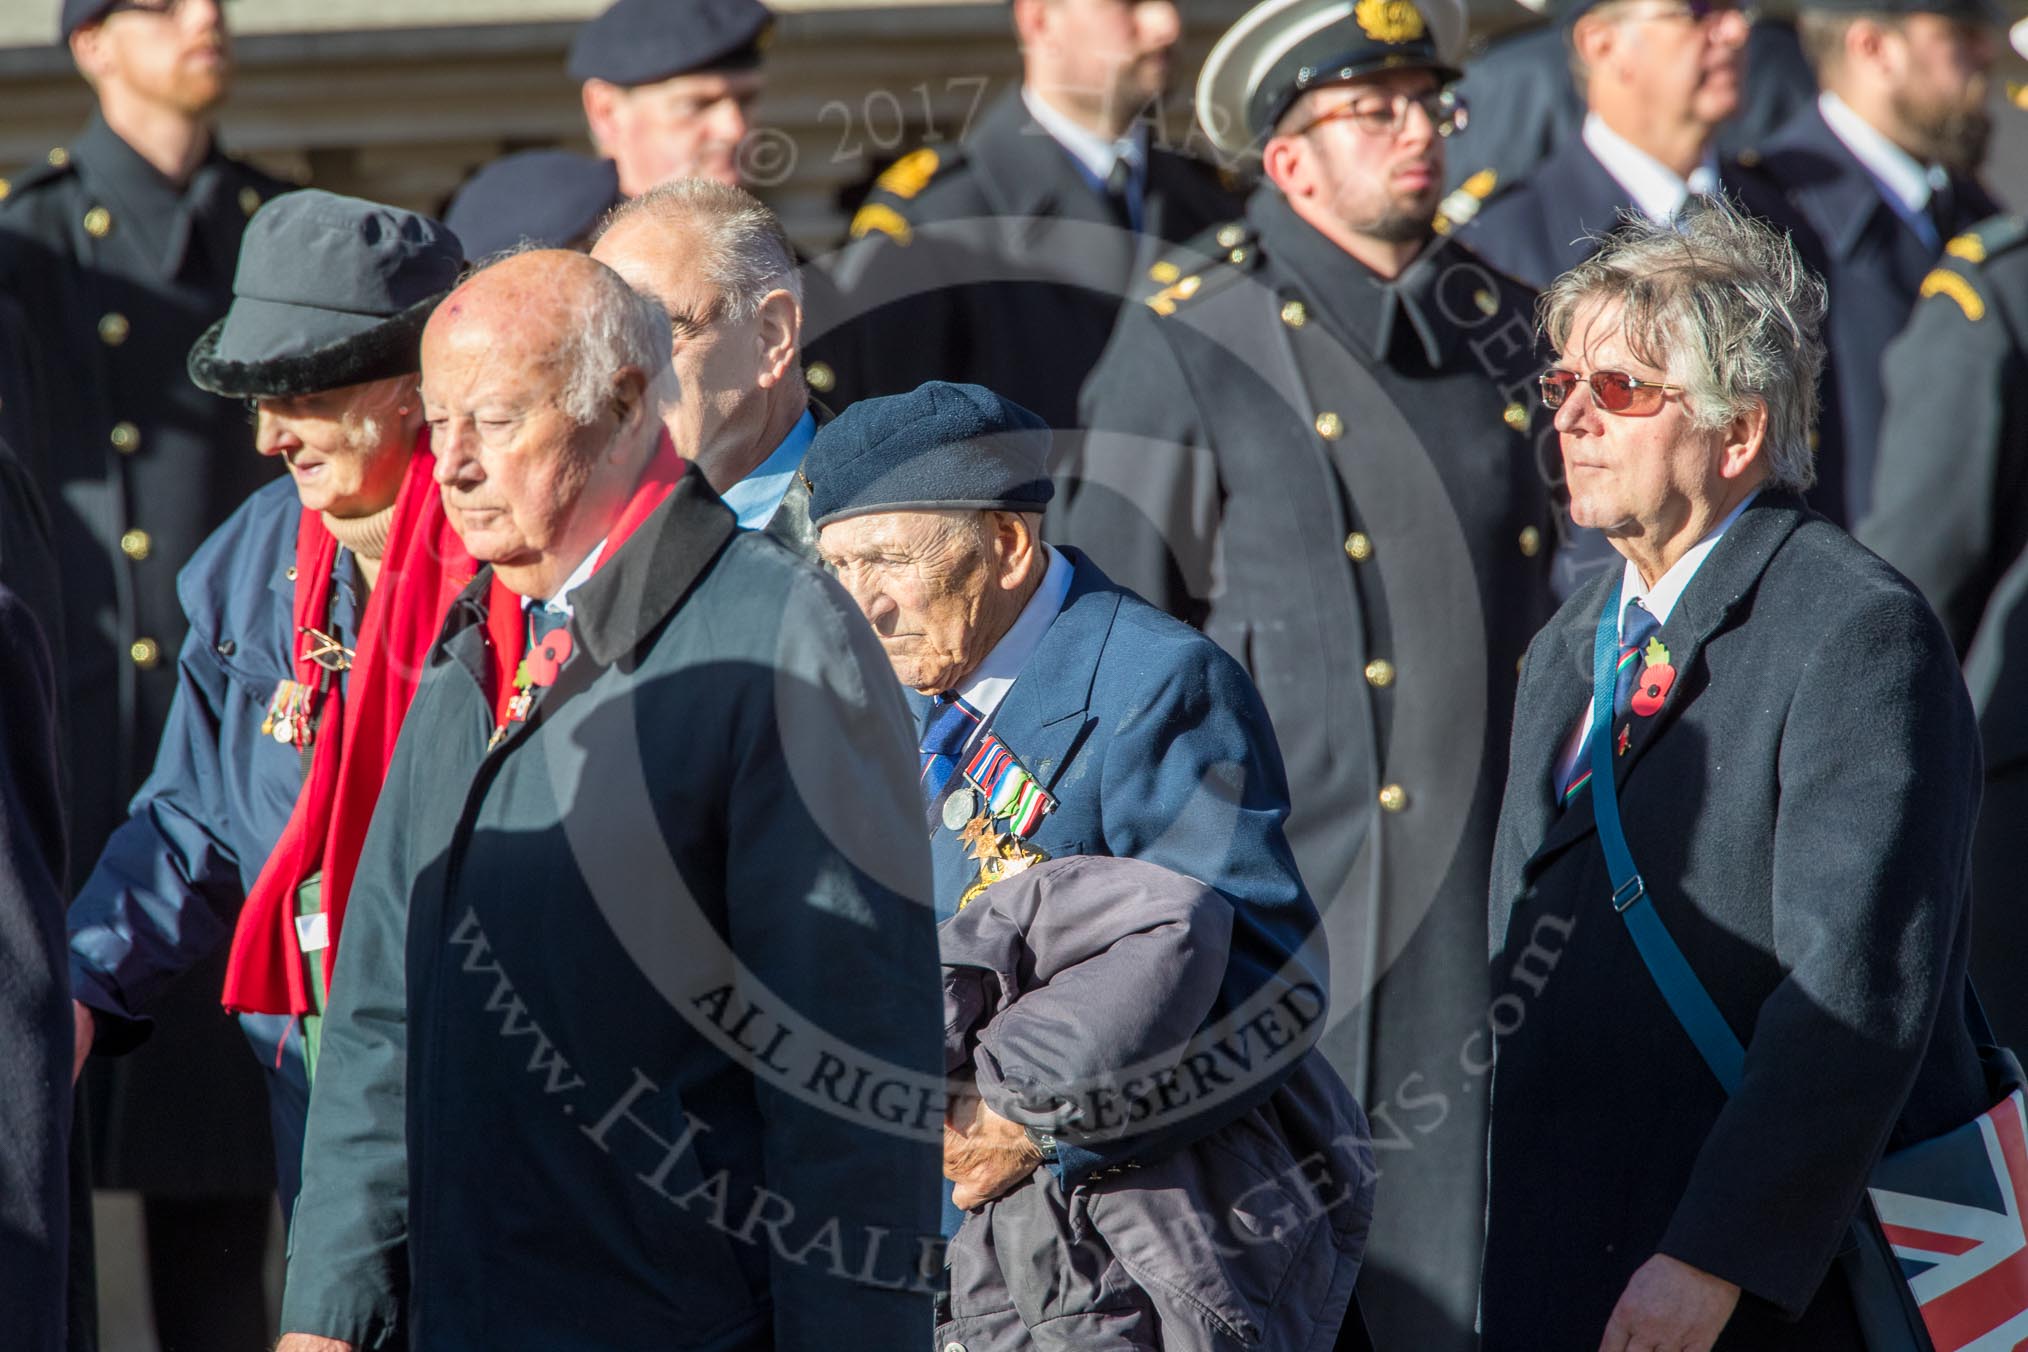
[941, 447]
[637, 42]
[550, 198]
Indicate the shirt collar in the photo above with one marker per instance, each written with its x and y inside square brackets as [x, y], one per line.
[755, 499]
[1660, 599]
[988, 686]
[1089, 149]
[560, 603]
[1657, 192]
[1901, 178]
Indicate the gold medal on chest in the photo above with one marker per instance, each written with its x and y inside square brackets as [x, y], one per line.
[1000, 855]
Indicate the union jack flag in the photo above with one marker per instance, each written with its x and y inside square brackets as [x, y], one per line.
[1952, 1209]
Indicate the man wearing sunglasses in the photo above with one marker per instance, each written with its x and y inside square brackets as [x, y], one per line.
[119, 247]
[1883, 165]
[1314, 442]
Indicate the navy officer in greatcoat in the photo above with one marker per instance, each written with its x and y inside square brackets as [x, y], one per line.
[1318, 445]
[119, 249]
[1059, 714]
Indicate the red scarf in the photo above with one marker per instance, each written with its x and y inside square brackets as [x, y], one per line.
[507, 623]
[422, 572]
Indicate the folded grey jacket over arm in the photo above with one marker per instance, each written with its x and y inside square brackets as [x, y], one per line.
[1075, 997]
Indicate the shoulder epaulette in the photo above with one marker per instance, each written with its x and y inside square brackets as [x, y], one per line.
[1950, 282]
[1460, 206]
[1214, 259]
[897, 185]
[54, 166]
[1994, 235]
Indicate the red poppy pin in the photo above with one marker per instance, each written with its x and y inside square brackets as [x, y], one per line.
[1657, 676]
[547, 657]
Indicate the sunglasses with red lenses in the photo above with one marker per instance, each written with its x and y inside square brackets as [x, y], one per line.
[1613, 391]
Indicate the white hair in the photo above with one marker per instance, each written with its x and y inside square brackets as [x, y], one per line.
[742, 250]
[1725, 305]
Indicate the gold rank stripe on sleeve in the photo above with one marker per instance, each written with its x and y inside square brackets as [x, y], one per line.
[878, 216]
[910, 174]
[1459, 208]
[1968, 247]
[1944, 282]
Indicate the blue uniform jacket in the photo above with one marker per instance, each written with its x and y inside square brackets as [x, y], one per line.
[167, 891]
[1156, 746]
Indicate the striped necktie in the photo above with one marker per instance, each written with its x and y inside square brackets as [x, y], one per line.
[947, 726]
[1637, 625]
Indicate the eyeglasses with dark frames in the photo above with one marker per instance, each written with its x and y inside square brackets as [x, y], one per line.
[1386, 116]
[1613, 391]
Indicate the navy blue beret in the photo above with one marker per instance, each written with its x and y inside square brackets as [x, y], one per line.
[548, 197]
[637, 42]
[77, 13]
[940, 447]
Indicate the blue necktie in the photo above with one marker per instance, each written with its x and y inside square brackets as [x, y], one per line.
[1637, 626]
[947, 726]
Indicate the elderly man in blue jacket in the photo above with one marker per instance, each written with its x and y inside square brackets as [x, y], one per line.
[1059, 715]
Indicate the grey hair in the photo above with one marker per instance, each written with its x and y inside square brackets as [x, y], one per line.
[616, 328]
[1725, 305]
[742, 250]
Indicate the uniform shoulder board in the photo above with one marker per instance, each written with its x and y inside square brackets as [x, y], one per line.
[55, 165]
[884, 211]
[1995, 235]
[1205, 264]
[1460, 206]
[1958, 275]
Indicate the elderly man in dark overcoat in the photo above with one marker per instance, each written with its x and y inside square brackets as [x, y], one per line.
[1795, 765]
[635, 1036]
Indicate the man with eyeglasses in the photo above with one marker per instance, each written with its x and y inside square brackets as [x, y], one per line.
[1315, 443]
[119, 248]
[1883, 165]
[1659, 78]
[720, 265]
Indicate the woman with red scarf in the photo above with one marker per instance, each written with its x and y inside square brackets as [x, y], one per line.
[311, 613]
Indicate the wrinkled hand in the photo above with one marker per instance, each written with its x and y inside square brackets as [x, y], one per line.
[82, 1032]
[984, 1153]
[1669, 1306]
[310, 1342]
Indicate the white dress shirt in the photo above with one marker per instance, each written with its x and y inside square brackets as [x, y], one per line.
[1904, 182]
[1656, 190]
[1659, 601]
[986, 688]
[1087, 147]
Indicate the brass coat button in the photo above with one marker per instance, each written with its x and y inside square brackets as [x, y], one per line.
[821, 377]
[126, 438]
[58, 157]
[1486, 301]
[1229, 236]
[1531, 542]
[5, 188]
[1330, 426]
[1516, 417]
[98, 222]
[1237, 256]
[1164, 272]
[1358, 547]
[136, 545]
[113, 328]
[249, 200]
[1294, 314]
[146, 652]
[1380, 673]
[1393, 798]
